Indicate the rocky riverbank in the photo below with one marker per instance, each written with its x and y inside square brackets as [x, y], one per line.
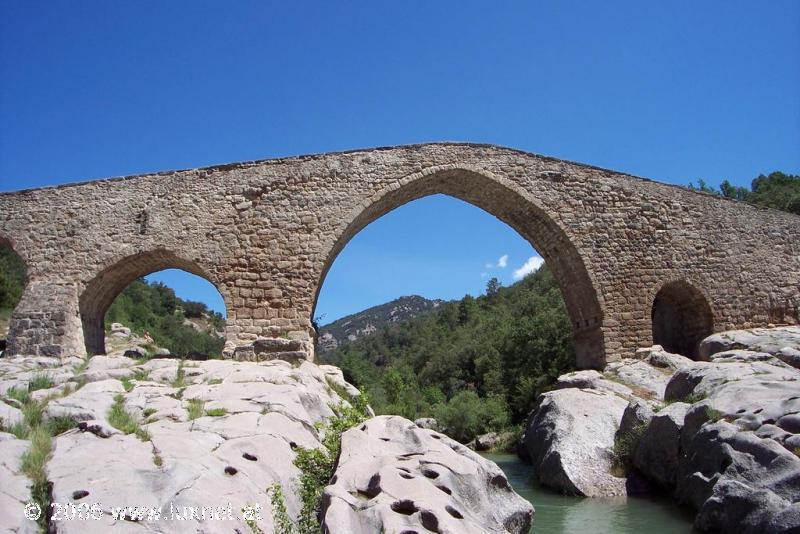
[110, 432]
[722, 435]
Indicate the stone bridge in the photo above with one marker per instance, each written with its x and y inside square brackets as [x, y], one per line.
[637, 261]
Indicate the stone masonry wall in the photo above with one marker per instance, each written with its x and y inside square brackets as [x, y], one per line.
[266, 232]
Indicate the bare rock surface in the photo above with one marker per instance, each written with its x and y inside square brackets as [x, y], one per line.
[738, 463]
[659, 448]
[770, 340]
[643, 379]
[740, 482]
[15, 488]
[590, 379]
[212, 433]
[570, 438]
[394, 476]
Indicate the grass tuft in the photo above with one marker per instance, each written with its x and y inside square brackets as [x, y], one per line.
[216, 412]
[22, 396]
[195, 409]
[40, 381]
[180, 376]
[124, 421]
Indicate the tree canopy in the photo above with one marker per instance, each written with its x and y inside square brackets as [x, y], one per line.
[776, 190]
[477, 364]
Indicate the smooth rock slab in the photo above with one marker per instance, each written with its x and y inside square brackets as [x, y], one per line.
[659, 447]
[15, 486]
[394, 476]
[769, 340]
[570, 438]
[740, 482]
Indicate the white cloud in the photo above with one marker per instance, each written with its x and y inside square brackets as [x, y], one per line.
[532, 265]
[488, 266]
[503, 261]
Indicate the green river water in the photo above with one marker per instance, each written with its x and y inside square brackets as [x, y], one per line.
[575, 515]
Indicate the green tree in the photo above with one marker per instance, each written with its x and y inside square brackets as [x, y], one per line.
[776, 190]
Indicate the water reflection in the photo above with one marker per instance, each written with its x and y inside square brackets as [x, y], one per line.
[558, 513]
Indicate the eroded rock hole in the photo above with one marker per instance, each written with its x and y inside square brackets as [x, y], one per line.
[429, 520]
[404, 506]
[373, 488]
[445, 489]
[430, 473]
[229, 470]
[80, 494]
[499, 481]
[452, 511]
[248, 456]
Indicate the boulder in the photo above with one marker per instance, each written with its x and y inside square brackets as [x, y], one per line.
[658, 357]
[739, 482]
[644, 380]
[769, 340]
[118, 330]
[486, 442]
[702, 378]
[570, 440]
[590, 379]
[428, 423]
[659, 446]
[635, 418]
[393, 476]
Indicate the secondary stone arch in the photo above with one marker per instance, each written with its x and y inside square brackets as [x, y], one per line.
[99, 293]
[7, 243]
[510, 203]
[681, 316]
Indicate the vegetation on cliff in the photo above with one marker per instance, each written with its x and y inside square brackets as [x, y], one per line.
[776, 190]
[152, 307]
[12, 280]
[477, 364]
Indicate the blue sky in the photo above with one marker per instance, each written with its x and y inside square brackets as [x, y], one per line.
[674, 91]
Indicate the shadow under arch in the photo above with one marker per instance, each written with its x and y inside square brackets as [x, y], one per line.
[512, 205]
[7, 244]
[681, 317]
[100, 292]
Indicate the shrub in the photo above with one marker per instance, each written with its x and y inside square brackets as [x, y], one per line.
[467, 415]
[624, 448]
[316, 469]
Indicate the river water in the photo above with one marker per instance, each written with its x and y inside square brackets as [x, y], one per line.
[575, 515]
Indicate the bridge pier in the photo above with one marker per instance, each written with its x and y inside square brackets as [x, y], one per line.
[46, 322]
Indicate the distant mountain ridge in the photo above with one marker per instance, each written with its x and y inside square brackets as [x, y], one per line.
[369, 321]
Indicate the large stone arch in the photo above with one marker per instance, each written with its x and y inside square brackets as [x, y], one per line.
[514, 206]
[99, 293]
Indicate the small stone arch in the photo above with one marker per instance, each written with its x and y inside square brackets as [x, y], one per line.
[681, 318]
[99, 293]
[510, 203]
[7, 243]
